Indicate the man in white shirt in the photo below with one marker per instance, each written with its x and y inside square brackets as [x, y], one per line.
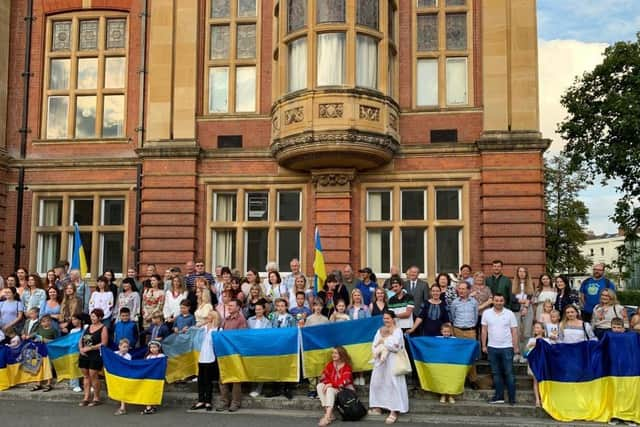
[500, 341]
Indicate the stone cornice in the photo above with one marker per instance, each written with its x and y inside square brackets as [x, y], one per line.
[188, 148]
[512, 141]
[89, 162]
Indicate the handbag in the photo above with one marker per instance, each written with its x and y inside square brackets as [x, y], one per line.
[515, 304]
[402, 365]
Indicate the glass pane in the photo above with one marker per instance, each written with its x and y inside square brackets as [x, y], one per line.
[257, 206]
[219, 41]
[297, 14]
[245, 89]
[112, 212]
[330, 11]
[82, 211]
[379, 206]
[218, 89]
[427, 86]
[50, 213]
[427, 32]
[331, 63]
[85, 117]
[412, 248]
[246, 8]
[88, 35]
[289, 206]
[298, 64]
[59, 74]
[116, 31]
[427, 3]
[61, 37]
[114, 72]
[447, 204]
[367, 13]
[456, 81]
[256, 248]
[391, 21]
[57, 112]
[224, 208]
[456, 2]
[448, 249]
[113, 116]
[87, 73]
[288, 247]
[87, 239]
[379, 250]
[111, 251]
[366, 61]
[224, 247]
[246, 42]
[456, 31]
[413, 205]
[48, 251]
[220, 8]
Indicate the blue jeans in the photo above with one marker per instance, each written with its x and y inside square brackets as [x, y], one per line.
[501, 360]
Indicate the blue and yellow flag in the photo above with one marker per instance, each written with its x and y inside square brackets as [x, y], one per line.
[318, 265]
[356, 336]
[258, 355]
[591, 380]
[442, 363]
[63, 353]
[183, 351]
[140, 382]
[79, 259]
[25, 364]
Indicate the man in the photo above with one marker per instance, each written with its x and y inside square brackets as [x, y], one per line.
[234, 320]
[83, 291]
[415, 287]
[132, 273]
[200, 272]
[500, 342]
[590, 291]
[290, 280]
[499, 283]
[463, 314]
[146, 283]
[393, 272]
[62, 278]
[367, 285]
[348, 278]
[189, 268]
[402, 304]
[465, 274]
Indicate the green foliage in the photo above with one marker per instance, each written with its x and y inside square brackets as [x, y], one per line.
[629, 297]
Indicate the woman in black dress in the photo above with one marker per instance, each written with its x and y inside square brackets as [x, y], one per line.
[379, 304]
[90, 361]
[432, 316]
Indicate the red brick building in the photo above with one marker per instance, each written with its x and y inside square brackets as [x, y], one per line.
[405, 130]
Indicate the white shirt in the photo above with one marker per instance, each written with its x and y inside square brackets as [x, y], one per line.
[172, 305]
[499, 327]
[206, 351]
[102, 300]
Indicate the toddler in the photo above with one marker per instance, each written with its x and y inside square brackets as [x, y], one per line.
[447, 332]
[340, 314]
[77, 324]
[155, 352]
[553, 327]
[13, 338]
[545, 316]
[380, 352]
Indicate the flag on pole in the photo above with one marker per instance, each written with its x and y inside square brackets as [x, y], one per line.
[79, 260]
[318, 265]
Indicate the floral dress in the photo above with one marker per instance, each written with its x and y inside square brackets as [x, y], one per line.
[152, 302]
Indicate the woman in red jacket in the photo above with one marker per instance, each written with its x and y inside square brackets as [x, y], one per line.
[336, 375]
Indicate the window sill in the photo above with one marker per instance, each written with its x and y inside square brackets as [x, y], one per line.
[231, 116]
[81, 141]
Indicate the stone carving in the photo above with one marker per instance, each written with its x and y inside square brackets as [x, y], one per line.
[393, 121]
[294, 115]
[275, 124]
[369, 113]
[384, 142]
[331, 111]
[330, 180]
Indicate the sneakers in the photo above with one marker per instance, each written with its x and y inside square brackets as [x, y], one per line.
[222, 406]
[234, 407]
[77, 389]
[496, 401]
[254, 394]
[443, 399]
[452, 400]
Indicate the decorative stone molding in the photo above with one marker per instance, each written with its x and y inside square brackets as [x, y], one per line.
[331, 110]
[275, 124]
[332, 180]
[393, 121]
[380, 141]
[514, 140]
[369, 113]
[294, 115]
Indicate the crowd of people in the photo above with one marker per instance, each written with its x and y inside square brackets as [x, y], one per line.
[505, 314]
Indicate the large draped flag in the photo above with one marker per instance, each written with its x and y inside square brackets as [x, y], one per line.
[139, 382]
[183, 351]
[442, 363]
[63, 353]
[258, 355]
[591, 380]
[79, 259]
[356, 336]
[318, 265]
[25, 364]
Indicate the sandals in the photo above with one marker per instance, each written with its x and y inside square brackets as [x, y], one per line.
[374, 411]
[391, 419]
[197, 406]
[47, 388]
[84, 403]
[148, 411]
[120, 411]
[324, 421]
[36, 387]
[95, 403]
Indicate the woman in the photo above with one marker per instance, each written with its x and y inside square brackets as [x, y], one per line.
[275, 289]
[207, 366]
[22, 275]
[251, 278]
[607, 310]
[566, 296]
[482, 294]
[300, 285]
[172, 299]
[379, 304]
[70, 306]
[90, 361]
[11, 309]
[432, 315]
[203, 307]
[221, 307]
[447, 289]
[255, 295]
[102, 298]
[33, 295]
[128, 297]
[111, 283]
[388, 391]
[11, 282]
[329, 295]
[522, 290]
[367, 284]
[634, 323]
[52, 307]
[545, 291]
[335, 376]
[236, 290]
[152, 300]
[50, 280]
[357, 310]
[573, 329]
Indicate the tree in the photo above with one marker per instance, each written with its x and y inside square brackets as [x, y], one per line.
[566, 219]
[602, 130]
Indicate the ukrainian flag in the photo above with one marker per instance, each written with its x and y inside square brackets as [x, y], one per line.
[140, 382]
[257, 355]
[318, 265]
[79, 259]
[183, 351]
[591, 380]
[356, 336]
[442, 363]
[63, 353]
[25, 364]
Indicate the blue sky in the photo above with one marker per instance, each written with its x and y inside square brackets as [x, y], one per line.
[572, 35]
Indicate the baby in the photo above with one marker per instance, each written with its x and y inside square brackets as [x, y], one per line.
[380, 352]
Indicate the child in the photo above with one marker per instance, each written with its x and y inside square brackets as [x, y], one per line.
[300, 311]
[340, 314]
[380, 352]
[13, 339]
[77, 324]
[545, 316]
[32, 323]
[157, 331]
[45, 333]
[281, 318]
[155, 352]
[447, 332]
[538, 332]
[126, 328]
[553, 328]
[317, 318]
[617, 325]
[185, 319]
[123, 351]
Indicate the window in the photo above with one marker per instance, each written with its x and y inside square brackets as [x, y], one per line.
[447, 203]
[442, 53]
[296, 14]
[330, 11]
[448, 249]
[102, 224]
[85, 75]
[232, 56]
[331, 59]
[270, 227]
[298, 64]
[367, 13]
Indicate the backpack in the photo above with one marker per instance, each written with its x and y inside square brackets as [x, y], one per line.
[349, 406]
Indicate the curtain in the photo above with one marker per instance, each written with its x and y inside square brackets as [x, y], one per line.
[366, 61]
[374, 210]
[224, 244]
[331, 61]
[48, 251]
[456, 81]
[50, 214]
[225, 207]
[298, 64]
[427, 82]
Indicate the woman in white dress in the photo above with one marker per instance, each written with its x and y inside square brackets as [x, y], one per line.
[388, 391]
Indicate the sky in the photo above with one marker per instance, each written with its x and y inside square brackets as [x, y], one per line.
[572, 35]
